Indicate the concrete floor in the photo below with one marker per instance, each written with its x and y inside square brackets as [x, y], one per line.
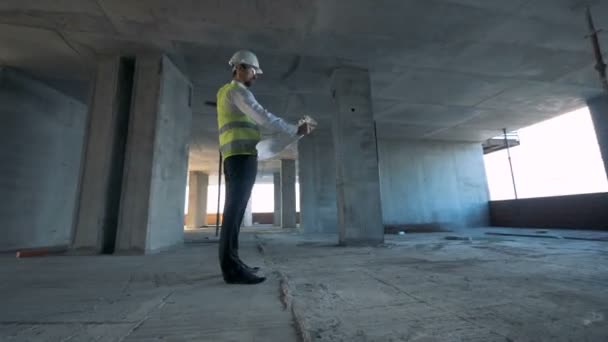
[447, 287]
[173, 296]
[464, 286]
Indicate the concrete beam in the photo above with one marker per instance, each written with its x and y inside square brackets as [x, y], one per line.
[152, 202]
[357, 180]
[198, 185]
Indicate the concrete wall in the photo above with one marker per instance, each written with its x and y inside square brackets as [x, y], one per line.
[585, 211]
[433, 182]
[41, 138]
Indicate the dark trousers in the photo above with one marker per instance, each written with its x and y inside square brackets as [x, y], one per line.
[240, 172]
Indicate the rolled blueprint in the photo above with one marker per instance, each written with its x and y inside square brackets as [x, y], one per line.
[272, 147]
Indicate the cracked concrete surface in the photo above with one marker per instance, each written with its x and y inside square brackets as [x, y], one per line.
[424, 287]
[464, 286]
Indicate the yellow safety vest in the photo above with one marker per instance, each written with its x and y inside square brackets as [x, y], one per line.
[238, 133]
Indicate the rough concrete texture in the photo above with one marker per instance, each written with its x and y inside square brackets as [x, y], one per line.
[177, 296]
[317, 174]
[41, 135]
[103, 159]
[152, 202]
[598, 107]
[198, 185]
[433, 182]
[356, 157]
[433, 287]
[419, 287]
[288, 193]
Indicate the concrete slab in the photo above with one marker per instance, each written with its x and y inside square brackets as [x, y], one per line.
[423, 287]
[417, 287]
[178, 296]
[421, 55]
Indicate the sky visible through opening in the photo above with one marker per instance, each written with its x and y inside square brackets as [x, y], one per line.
[560, 156]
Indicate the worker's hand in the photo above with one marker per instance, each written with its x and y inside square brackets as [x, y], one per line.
[306, 125]
[304, 129]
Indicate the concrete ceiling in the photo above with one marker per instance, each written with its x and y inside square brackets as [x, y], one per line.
[440, 69]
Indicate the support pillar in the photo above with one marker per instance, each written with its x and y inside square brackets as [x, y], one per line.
[248, 217]
[156, 163]
[277, 199]
[198, 184]
[356, 157]
[288, 193]
[598, 107]
[97, 209]
[317, 174]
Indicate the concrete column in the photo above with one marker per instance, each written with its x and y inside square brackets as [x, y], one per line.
[198, 185]
[317, 174]
[156, 164]
[277, 198]
[357, 180]
[96, 217]
[248, 217]
[288, 193]
[598, 107]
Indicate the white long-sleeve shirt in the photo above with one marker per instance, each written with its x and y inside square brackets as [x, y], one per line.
[243, 100]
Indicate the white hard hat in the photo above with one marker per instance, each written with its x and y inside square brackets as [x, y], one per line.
[245, 57]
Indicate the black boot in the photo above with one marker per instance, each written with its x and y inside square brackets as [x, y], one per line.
[247, 268]
[243, 277]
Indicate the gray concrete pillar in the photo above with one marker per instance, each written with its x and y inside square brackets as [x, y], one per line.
[97, 209]
[277, 198]
[288, 193]
[317, 174]
[248, 217]
[598, 107]
[156, 163]
[198, 185]
[357, 180]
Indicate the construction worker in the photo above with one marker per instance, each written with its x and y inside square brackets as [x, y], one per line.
[239, 118]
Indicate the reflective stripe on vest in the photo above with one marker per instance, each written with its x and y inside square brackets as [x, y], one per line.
[237, 124]
[238, 133]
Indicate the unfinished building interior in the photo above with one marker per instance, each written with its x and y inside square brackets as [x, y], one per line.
[107, 117]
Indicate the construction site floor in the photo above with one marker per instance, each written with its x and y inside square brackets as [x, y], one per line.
[460, 286]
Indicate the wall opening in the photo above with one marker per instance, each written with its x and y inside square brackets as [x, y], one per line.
[560, 156]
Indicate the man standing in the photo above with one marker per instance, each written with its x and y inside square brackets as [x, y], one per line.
[239, 116]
